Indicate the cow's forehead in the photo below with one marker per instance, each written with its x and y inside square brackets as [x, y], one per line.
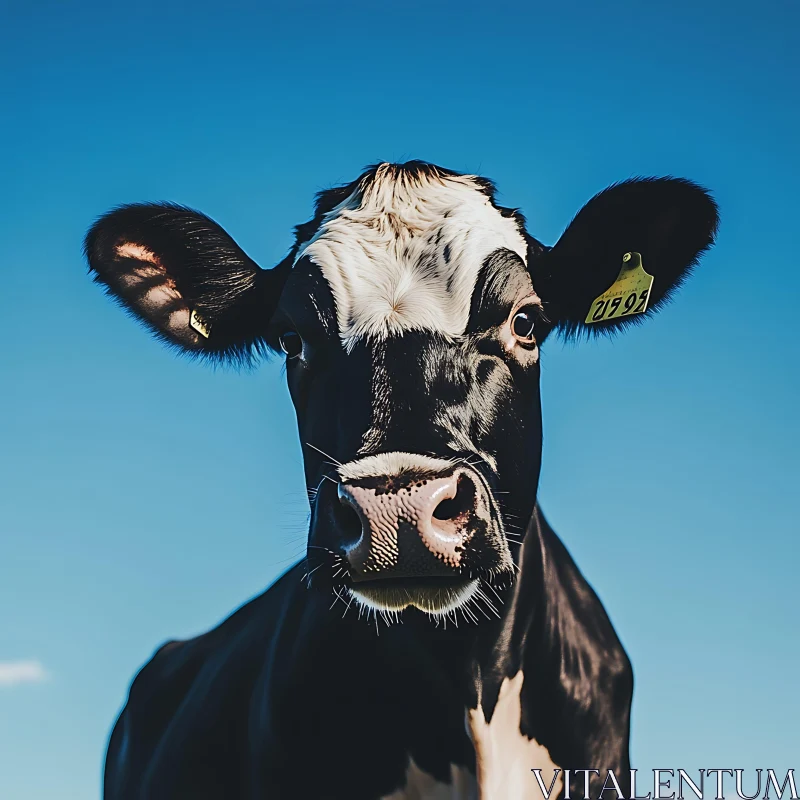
[404, 252]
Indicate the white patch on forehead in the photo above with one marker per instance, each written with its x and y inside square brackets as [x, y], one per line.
[405, 253]
[504, 756]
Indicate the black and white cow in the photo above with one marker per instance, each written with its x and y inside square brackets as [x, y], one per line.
[411, 310]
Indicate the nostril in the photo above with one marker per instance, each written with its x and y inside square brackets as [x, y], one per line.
[347, 518]
[461, 505]
[350, 517]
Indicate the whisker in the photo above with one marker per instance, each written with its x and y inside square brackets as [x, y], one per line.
[495, 592]
[480, 593]
[327, 455]
[309, 574]
[349, 603]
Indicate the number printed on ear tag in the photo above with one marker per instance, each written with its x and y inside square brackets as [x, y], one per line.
[200, 324]
[629, 294]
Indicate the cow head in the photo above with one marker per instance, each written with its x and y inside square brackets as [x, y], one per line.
[410, 311]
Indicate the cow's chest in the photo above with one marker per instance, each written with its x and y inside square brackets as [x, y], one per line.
[504, 758]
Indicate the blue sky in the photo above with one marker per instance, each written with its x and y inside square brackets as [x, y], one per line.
[143, 497]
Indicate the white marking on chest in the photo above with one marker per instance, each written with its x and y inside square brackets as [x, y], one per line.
[420, 785]
[405, 253]
[504, 756]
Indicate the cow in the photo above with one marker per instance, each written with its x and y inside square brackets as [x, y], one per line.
[437, 641]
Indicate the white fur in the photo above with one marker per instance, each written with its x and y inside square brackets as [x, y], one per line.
[420, 785]
[504, 756]
[436, 602]
[391, 464]
[379, 252]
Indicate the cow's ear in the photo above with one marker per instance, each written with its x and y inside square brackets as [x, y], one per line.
[669, 222]
[181, 274]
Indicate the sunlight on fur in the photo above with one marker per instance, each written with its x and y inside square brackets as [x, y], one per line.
[431, 601]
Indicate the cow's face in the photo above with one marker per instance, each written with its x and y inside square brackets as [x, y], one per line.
[410, 311]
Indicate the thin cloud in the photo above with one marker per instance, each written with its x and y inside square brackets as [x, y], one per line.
[13, 673]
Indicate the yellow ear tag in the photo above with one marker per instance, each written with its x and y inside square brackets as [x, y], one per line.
[629, 293]
[199, 324]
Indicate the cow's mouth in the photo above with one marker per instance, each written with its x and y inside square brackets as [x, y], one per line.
[438, 595]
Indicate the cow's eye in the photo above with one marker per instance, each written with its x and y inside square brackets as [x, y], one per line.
[523, 324]
[291, 344]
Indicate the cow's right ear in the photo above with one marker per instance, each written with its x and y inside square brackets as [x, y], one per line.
[182, 275]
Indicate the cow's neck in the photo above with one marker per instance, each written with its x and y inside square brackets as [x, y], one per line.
[486, 654]
[523, 615]
[500, 667]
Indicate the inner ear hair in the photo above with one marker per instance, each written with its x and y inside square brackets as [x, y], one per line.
[139, 277]
[185, 278]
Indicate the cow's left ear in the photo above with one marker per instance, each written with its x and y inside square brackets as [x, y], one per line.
[670, 222]
[185, 278]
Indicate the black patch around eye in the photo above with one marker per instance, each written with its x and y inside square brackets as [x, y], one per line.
[306, 307]
[502, 279]
[523, 324]
[291, 344]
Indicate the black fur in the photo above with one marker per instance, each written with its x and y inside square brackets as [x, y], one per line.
[670, 221]
[499, 282]
[211, 273]
[294, 697]
[289, 699]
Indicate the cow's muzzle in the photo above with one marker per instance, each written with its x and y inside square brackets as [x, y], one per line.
[412, 526]
[424, 531]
